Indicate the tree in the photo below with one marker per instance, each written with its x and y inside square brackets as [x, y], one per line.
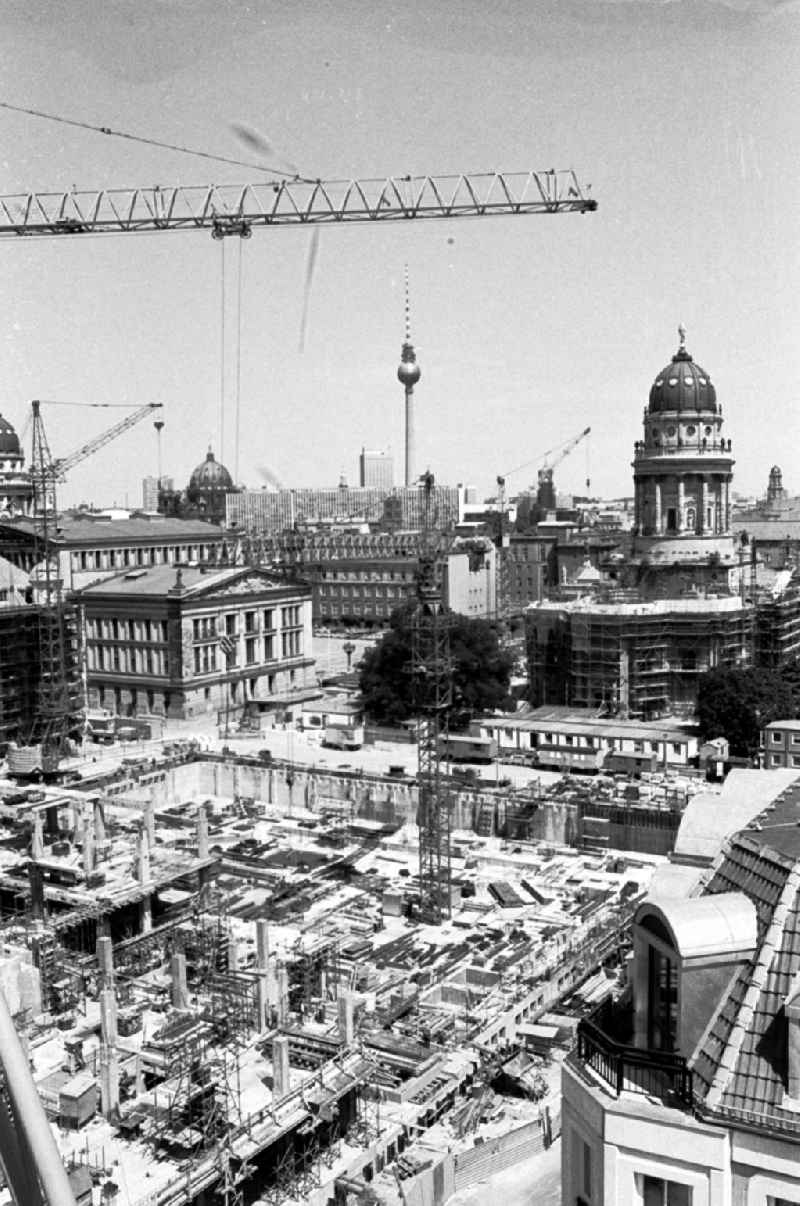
[481, 670]
[736, 704]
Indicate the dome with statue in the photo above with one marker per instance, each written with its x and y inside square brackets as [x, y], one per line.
[682, 386]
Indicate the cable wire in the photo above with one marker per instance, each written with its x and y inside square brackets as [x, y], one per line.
[222, 359]
[151, 142]
[238, 362]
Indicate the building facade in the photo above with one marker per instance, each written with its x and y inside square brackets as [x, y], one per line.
[637, 659]
[187, 640]
[376, 469]
[265, 511]
[90, 548]
[682, 472]
[636, 639]
[686, 1091]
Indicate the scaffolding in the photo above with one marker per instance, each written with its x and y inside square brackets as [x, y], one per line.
[432, 679]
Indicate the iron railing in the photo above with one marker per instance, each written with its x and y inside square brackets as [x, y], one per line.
[661, 1074]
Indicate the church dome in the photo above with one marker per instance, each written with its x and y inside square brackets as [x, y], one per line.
[9, 440]
[210, 475]
[683, 386]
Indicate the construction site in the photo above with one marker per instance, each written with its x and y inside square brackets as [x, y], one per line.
[225, 999]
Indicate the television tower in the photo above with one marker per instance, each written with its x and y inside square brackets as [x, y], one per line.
[408, 374]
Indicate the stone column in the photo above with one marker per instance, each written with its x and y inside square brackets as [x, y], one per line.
[681, 505]
[703, 504]
[658, 529]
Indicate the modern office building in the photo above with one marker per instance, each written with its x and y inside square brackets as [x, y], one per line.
[375, 469]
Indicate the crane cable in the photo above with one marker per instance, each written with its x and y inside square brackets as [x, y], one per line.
[239, 274]
[151, 142]
[222, 355]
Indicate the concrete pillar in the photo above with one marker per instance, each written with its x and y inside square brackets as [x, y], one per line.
[37, 838]
[36, 881]
[108, 1016]
[283, 995]
[142, 858]
[233, 953]
[105, 961]
[78, 824]
[177, 971]
[89, 853]
[262, 968]
[202, 832]
[146, 914]
[346, 1011]
[109, 1081]
[150, 823]
[262, 944]
[281, 1077]
[99, 822]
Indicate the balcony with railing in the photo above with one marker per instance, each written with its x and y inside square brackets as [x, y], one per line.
[605, 1050]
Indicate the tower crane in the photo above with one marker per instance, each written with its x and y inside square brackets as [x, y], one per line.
[433, 695]
[55, 712]
[545, 493]
[235, 209]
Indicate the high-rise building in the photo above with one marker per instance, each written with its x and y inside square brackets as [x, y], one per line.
[150, 491]
[375, 469]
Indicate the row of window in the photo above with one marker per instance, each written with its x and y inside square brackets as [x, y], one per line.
[126, 630]
[347, 592]
[89, 559]
[106, 658]
[369, 576]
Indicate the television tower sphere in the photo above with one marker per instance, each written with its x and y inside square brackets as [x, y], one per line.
[408, 372]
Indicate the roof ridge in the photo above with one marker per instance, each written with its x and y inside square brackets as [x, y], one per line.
[744, 1017]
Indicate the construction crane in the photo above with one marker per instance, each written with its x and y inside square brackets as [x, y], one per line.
[432, 679]
[234, 209]
[545, 492]
[54, 718]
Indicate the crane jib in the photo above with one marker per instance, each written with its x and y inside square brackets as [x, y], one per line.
[238, 209]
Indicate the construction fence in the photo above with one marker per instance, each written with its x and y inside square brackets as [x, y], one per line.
[459, 1170]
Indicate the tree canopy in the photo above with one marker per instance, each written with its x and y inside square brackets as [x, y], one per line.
[481, 670]
[736, 704]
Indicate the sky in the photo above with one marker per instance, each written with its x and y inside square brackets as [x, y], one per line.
[682, 115]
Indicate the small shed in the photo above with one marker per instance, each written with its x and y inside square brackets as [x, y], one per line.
[77, 1101]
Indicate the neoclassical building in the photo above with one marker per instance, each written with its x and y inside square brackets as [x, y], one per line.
[682, 471]
[637, 644]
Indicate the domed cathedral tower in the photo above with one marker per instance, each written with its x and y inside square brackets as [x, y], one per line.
[16, 487]
[682, 472]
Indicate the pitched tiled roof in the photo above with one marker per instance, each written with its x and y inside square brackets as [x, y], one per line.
[740, 1063]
